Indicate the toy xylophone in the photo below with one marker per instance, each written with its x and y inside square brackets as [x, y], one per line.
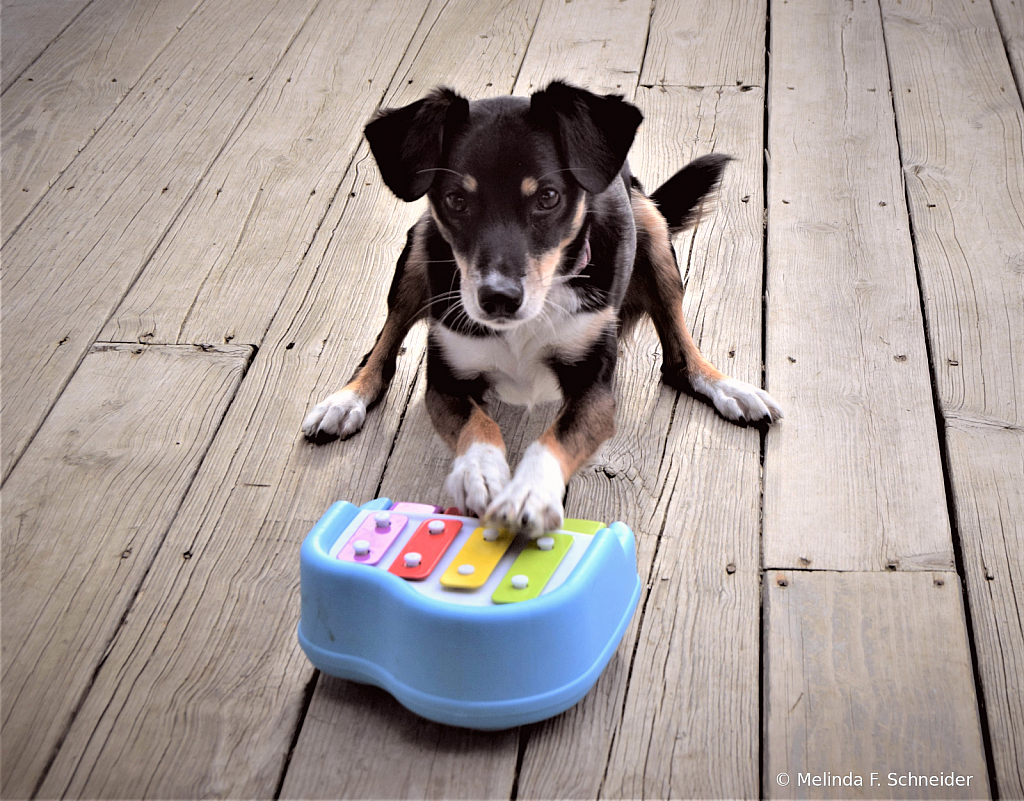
[465, 624]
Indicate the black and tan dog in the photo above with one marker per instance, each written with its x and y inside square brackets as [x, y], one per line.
[538, 250]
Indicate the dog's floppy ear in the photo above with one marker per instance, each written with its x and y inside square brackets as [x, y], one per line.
[408, 143]
[595, 132]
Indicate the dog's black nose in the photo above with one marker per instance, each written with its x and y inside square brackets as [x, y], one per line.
[500, 298]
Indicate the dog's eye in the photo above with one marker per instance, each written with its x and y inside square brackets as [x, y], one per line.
[455, 202]
[548, 199]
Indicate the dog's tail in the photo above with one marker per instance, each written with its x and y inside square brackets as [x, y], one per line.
[679, 198]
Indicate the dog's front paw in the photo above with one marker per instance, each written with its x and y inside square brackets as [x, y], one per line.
[739, 401]
[531, 502]
[336, 417]
[476, 477]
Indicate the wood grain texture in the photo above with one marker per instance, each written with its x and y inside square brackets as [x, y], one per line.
[853, 478]
[84, 515]
[78, 252]
[253, 218]
[492, 38]
[706, 44]
[962, 135]
[58, 104]
[987, 466]
[868, 673]
[593, 44]
[392, 753]
[29, 27]
[690, 716]
[173, 671]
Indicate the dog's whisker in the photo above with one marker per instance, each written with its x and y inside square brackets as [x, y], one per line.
[443, 296]
[563, 279]
[448, 296]
[550, 323]
[461, 322]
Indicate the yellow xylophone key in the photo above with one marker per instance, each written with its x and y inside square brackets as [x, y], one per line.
[476, 561]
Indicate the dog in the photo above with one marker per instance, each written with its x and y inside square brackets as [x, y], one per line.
[537, 252]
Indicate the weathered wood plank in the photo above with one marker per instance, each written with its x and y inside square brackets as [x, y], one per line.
[599, 45]
[853, 478]
[392, 753]
[706, 44]
[690, 718]
[691, 704]
[962, 134]
[58, 104]
[261, 489]
[29, 26]
[84, 514]
[987, 466]
[690, 723]
[78, 252]
[253, 218]
[492, 36]
[868, 673]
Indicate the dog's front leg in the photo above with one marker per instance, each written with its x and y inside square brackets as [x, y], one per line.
[531, 502]
[479, 470]
[342, 413]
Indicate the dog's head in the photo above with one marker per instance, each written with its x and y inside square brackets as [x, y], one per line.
[508, 181]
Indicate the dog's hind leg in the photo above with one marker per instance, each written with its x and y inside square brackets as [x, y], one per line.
[341, 414]
[656, 288]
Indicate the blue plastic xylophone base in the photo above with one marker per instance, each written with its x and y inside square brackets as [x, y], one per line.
[490, 666]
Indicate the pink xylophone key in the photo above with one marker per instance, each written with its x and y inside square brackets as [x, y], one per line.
[373, 537]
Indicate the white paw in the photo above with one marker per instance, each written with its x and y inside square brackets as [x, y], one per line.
[531, 502]
[339, 415]
[476, 477]
[739, 401]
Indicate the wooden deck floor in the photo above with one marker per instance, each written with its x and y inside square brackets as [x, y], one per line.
[197, 247]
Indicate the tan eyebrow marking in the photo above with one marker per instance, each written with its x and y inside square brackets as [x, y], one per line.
[529, 186]
[469, 183]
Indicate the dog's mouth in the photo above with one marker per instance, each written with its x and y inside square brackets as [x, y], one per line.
[502, 323]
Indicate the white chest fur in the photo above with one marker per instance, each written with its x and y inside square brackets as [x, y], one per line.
[515, 362]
